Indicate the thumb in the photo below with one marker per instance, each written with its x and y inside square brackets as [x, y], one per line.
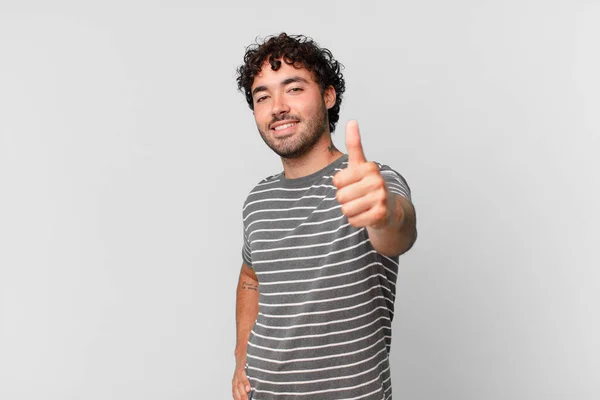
[353, 144]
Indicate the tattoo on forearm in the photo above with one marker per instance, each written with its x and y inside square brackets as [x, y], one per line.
[249, 286]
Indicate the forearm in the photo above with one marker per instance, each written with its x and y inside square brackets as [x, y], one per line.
[399, 234]
[246, 312]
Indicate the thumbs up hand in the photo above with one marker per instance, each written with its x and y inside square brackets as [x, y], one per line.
[361, 190]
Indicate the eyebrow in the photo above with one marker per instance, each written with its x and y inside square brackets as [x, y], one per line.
[287, 81]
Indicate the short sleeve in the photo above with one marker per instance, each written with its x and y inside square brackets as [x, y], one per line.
[395, 182]
[246, 251]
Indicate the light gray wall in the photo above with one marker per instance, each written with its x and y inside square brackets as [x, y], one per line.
[126, 154]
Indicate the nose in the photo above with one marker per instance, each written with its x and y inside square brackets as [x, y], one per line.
[279, 105]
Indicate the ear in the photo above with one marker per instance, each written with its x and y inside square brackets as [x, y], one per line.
[329, 96]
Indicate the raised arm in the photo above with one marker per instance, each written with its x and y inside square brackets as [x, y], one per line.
[245, 316]
[366, 201]
[399, 233]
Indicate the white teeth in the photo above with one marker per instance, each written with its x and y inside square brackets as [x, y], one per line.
[281, 127]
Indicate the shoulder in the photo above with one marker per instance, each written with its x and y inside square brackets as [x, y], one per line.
[384, 168]
[265, 185]
[395, 181]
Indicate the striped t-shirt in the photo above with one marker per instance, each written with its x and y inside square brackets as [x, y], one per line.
[326, 301]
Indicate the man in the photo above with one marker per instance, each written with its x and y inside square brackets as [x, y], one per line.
[315, 297]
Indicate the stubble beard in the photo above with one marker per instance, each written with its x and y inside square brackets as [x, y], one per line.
[301, 142]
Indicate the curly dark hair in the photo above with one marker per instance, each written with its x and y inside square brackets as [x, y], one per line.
[298, 51]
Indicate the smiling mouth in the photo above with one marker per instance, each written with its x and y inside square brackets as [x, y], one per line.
[284, 126]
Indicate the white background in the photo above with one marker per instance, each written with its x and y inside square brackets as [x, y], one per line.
[126, 154]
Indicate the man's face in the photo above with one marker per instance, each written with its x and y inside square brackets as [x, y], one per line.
[289, 109]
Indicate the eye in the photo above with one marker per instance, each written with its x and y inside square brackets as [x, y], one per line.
[260, 99]
[295, 89]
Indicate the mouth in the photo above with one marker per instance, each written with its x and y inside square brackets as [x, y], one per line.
[284, 127]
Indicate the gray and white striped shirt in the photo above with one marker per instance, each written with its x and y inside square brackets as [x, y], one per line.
[326, 301]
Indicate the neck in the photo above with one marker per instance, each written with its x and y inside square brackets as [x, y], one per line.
[321, 155]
